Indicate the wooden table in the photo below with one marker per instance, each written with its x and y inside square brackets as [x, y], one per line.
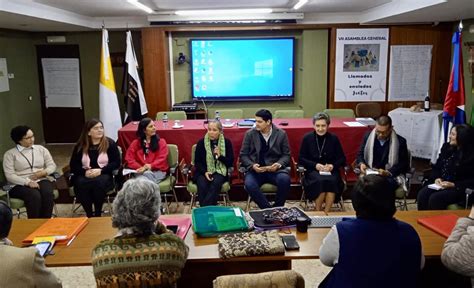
[204, 257]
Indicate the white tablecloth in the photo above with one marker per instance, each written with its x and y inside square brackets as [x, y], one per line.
[420, 129]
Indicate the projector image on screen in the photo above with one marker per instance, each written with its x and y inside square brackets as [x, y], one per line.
[242, 69]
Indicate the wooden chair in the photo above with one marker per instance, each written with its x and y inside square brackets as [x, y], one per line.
[369, 109]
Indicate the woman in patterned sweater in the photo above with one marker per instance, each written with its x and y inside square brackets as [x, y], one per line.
[143, 253]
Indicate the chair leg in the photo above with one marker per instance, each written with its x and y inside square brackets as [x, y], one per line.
[110, 205]
[247, 207]
[55, 208]
[73, 206]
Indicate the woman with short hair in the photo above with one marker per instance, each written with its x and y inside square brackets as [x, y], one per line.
[321, 155]
[375, 249]
[148, 153]
[158, 254]
[92, 163]
[213, 157]
[27, 166]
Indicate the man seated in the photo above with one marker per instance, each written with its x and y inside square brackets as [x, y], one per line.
[265, 153]
[21, 267]
[384, 152]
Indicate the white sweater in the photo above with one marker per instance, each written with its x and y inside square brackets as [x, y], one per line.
[17, 165]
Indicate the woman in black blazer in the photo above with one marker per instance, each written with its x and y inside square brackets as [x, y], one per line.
[213, 157]
[321, 155]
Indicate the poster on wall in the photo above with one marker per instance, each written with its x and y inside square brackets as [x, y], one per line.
[409, 78]
[61, 82]
[361, 65]
[4, 86]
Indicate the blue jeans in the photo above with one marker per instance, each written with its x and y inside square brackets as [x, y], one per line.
[254, 180]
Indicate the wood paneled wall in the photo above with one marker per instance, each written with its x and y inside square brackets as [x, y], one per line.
[156, 70]
[438, 36]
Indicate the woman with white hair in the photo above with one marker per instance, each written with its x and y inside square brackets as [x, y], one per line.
[158, 254]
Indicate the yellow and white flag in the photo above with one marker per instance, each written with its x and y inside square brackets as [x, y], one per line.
[109, 111]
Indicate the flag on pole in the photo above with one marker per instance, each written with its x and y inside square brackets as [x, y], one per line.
[453, 111]
[134, 98]
[109, 112]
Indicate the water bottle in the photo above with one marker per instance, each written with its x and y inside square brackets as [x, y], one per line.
[217, 115]
[165, 119]
[426, 104]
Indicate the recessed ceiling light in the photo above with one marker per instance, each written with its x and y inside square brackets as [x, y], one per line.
[140, 5]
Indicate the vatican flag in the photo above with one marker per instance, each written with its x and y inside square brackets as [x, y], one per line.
[109, 111]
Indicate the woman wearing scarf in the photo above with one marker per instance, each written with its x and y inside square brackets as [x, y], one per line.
[213, 156]
[93, 160]
[148, 153]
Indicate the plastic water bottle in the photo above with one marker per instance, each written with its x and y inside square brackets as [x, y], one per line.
[217, 115]
[165, 119]
[426, 104]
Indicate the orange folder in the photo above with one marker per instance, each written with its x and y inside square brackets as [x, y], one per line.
[441, 224]
[63, 229]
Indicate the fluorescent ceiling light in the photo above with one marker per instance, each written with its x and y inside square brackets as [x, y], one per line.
[223, 12]
[299, 4]
[140, 5]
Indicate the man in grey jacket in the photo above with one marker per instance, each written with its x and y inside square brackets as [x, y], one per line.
[458, 251]
[265, 154]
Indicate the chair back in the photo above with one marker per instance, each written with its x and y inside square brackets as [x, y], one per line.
[289, 114]
[3, 180]
[193, 151]
[369, 109]
[172, 115]
[285, 278]
[348, 113]
[231, 113]
[173, 156]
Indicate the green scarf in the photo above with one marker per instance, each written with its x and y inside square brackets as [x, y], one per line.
[214, 165]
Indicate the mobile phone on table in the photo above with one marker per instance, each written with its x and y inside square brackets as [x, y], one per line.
[43, 248]
[173, 228]
[290, 242]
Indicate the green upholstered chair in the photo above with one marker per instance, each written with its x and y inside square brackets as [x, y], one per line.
[347, 113]
[459, 206]
[289, 114]
[231, 113]
[172, 115]
[191, 186]
[167, 185]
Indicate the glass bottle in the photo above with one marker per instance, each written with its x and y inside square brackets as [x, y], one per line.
[164, 119]
[217, 116]
[426, 104]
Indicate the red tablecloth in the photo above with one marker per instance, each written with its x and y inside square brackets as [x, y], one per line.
[193, 130]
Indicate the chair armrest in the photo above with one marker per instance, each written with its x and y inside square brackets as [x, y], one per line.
[7, 187]
[468, 191]
[55, 175]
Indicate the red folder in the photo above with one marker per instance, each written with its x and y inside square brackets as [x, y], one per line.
[441, 224]
[183, 224]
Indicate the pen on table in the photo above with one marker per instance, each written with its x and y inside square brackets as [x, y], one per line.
[70, 241]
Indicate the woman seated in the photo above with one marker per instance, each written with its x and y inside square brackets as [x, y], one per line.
[148, 153]
[158, 254]
[375, 249]
[27, 166]
[458, 250]
[453, 171]
[92, 163]
[321, 155]
[213, 157]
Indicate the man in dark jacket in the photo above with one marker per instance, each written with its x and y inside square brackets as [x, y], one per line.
[265, 154]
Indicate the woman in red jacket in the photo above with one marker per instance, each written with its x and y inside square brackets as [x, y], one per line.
[148, 153]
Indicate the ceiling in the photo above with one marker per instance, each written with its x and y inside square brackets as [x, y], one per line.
[83, 15]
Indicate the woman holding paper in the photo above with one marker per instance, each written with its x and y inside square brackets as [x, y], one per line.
[27, 166]
[148, 153]
[156, 254]
[452, 173]
[92, 163]
[213, 157]
[321, 155]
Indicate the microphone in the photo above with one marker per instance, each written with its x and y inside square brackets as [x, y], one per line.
[214, 145]
[205, 109]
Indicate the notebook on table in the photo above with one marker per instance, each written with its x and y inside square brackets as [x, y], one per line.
[441, 224]
[64, 230]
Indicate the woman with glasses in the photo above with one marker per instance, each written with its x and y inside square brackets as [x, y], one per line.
[27, 166]
[213, 157]
[92, 163]
[321, 155]
[148, 153]
[452, 173]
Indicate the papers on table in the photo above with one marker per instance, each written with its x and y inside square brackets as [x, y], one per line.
[435, 186]
[366, 121]
[370, 172]
[326, 173]
[353, 124]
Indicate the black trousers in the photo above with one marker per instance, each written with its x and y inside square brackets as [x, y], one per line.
[429, 199]
[92, 191]
[208, 191]
[38, 202]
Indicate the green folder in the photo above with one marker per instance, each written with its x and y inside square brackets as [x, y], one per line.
[210, 221]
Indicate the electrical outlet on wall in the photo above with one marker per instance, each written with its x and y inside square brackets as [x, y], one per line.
[11, 75]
